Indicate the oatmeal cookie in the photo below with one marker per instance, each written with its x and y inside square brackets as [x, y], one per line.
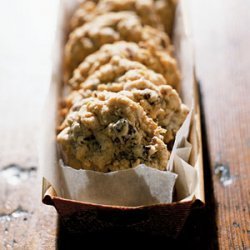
[115, 83]
[132, 76]
[145, 9]
[111, 132]
[83, 14]
[110, 28]
[158, 61]
[166, 13]
[110, 73]
[160, 101]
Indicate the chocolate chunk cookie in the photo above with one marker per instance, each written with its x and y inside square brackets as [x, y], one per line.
[111, 132]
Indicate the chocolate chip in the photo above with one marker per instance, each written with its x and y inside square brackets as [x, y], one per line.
[116, 140]
[131, 130]
[163, 43]
[147, 96]
[90, 138]
[120, 125]
[126, 155]
[146, 150]
[95, 145]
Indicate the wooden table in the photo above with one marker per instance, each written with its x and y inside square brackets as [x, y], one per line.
[222, 40]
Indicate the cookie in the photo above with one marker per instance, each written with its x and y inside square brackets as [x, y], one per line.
[145, 9]
[106, 29]
[111, 132]
[166, 12]
[160, 101]
[110, 73]
[132, 75]
[82, 14]
[115, 83]
[158, 61]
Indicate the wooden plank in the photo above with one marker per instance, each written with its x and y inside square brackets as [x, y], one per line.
[222, 35]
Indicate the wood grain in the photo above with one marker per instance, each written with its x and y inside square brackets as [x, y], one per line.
[25, 223]
[222, 39]
[222, 35]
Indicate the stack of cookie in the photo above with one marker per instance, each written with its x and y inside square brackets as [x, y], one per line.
[123, 108]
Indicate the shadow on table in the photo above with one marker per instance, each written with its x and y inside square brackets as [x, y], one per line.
[199, 232]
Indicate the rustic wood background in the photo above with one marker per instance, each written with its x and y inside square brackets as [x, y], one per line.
[222, 40]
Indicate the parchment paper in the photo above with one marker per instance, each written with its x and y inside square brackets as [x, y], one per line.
[140, 186]
[134, 187]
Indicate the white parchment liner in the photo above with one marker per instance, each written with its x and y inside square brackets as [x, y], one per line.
[134, 187]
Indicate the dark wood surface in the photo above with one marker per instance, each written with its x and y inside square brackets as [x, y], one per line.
[222, 40]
